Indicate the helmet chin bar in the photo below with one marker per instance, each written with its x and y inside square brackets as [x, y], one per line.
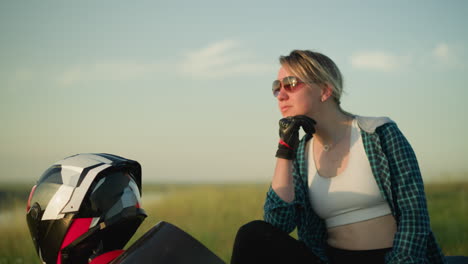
[45, 241]
[107, 236]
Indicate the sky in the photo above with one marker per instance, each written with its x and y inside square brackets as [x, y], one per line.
[184, 87]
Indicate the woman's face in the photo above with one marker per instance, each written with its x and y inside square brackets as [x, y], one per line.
[304, 100]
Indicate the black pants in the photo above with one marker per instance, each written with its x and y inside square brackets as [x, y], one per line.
[260, 242]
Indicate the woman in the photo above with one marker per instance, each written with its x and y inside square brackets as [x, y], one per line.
[352, 186]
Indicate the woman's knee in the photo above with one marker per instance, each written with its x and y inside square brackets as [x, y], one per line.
[255, 227]
[255, 231]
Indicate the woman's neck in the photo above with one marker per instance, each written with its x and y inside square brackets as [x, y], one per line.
[332, 125]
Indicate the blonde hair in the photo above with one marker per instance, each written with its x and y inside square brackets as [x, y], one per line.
[314, 67]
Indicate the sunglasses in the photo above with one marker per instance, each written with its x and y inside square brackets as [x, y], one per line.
[290, 85]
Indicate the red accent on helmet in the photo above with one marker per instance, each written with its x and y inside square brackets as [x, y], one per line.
[107, 257]
[77, 228]
[28, 206]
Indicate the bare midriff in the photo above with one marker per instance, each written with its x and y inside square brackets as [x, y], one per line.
[371, 234]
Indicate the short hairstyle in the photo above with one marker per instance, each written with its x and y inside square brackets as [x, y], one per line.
[314, 67]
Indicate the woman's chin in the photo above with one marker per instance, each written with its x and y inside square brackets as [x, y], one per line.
[287, 113]
[290, 113]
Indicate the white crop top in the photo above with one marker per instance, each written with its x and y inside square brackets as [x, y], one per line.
[353, 195]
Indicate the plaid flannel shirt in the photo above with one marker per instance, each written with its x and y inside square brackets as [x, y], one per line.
[398, 177]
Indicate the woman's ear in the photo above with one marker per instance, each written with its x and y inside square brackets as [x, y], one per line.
[326, 92]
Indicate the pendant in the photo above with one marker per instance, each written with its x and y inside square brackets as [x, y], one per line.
[326, 147]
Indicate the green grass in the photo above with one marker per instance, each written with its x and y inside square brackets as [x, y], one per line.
[16, 245]
[210, 213]
[213, 213]
[448, 210]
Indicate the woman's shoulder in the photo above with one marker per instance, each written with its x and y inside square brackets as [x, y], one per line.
[370, 123]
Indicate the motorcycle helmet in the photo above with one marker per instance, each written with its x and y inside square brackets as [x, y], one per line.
[83, 206]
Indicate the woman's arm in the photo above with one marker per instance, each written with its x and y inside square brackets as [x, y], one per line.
[279, 208]
[282, 182]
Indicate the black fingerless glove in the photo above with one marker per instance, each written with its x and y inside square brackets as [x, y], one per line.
[289, 134]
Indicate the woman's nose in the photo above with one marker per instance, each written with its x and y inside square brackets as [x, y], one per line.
[282, 94]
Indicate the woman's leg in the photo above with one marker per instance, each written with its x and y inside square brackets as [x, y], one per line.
[260, 242]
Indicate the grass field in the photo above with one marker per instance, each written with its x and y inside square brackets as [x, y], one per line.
[213, 213]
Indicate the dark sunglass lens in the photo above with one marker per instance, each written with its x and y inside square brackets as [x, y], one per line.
[289, 83]
[276, 85]
[291, 80]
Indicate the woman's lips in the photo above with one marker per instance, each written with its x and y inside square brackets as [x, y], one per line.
[284, 108]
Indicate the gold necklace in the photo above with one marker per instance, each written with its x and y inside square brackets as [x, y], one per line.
[327, 147]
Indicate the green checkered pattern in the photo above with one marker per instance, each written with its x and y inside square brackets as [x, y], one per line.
[397, 174]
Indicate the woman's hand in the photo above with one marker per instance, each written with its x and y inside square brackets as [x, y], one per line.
[289, 134]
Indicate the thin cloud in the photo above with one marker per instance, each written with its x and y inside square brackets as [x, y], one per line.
[444, 55]
[221, 59]
[107, 72]
[441, 51]
[378, 60]
[217, 60]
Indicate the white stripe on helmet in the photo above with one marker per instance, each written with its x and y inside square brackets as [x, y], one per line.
[68, 199]
[70, 175]
[83, 160]
[80, 192]
[58, 201]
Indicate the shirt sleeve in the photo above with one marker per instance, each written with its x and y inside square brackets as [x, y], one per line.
[279, 213]
[413, 227]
